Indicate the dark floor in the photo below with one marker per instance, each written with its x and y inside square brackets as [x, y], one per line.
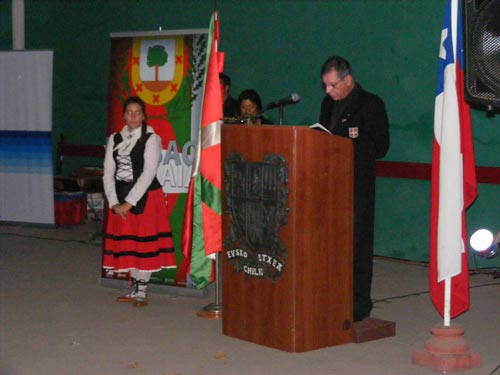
[56, 319]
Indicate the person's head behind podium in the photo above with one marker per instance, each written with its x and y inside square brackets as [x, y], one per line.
[337, 77]
[225, 84]
[250, 106]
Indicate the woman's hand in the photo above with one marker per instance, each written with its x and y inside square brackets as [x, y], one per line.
[122, 209]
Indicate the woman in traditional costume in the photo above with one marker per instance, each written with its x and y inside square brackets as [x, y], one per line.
[138, 236]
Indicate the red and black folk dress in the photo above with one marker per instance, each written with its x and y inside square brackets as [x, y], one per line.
[143, 240]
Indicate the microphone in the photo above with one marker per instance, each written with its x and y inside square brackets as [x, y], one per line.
[292, 99]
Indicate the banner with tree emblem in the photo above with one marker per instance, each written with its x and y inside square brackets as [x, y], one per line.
[166, 70]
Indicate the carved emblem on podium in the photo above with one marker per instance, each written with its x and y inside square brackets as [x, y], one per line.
[256, 195]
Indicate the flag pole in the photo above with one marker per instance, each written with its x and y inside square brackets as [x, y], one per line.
[214, 310]
[447, 301]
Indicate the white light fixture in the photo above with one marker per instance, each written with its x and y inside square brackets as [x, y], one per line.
[484, 244]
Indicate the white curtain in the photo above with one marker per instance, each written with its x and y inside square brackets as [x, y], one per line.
[26, 174]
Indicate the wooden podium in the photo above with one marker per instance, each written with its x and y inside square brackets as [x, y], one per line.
[309, 305]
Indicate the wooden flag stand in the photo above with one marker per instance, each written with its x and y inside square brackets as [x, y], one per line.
[447, 351]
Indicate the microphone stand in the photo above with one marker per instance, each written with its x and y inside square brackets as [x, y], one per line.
[280, 114]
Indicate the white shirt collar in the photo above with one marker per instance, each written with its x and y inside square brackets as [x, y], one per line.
[129, 140]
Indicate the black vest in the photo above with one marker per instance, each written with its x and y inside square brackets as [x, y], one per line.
[137, 158]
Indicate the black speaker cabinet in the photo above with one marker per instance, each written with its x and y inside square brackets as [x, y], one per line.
[482, 54]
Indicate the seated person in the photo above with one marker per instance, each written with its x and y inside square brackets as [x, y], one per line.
[251, 108]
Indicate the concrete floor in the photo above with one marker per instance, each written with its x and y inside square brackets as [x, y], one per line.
[56, 319]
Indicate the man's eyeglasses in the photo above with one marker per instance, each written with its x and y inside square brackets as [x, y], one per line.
[331, 85]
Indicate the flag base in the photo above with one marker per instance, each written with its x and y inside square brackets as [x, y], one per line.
[447, 351]
[211, 311]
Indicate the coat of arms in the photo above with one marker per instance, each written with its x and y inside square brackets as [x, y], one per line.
[256, 201]
[157, 68]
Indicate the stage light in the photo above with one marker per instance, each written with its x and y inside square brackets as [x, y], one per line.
[484, 244]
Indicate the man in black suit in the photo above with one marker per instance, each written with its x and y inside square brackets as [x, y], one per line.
[349, 111]
[231, 106]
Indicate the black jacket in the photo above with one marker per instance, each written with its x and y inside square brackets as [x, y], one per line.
[362, 118]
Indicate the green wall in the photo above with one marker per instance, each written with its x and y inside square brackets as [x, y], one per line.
[277, 47]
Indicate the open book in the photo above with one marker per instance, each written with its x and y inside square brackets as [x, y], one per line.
[318, 126]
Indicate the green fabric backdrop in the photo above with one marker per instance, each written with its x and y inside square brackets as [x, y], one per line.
[277, 47]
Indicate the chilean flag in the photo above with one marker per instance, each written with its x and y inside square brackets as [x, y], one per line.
[454, 186]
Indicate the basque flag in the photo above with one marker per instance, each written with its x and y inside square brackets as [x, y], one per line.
[454, 186]
[202, 229]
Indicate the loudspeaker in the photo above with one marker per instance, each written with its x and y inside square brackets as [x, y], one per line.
[482, 53]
